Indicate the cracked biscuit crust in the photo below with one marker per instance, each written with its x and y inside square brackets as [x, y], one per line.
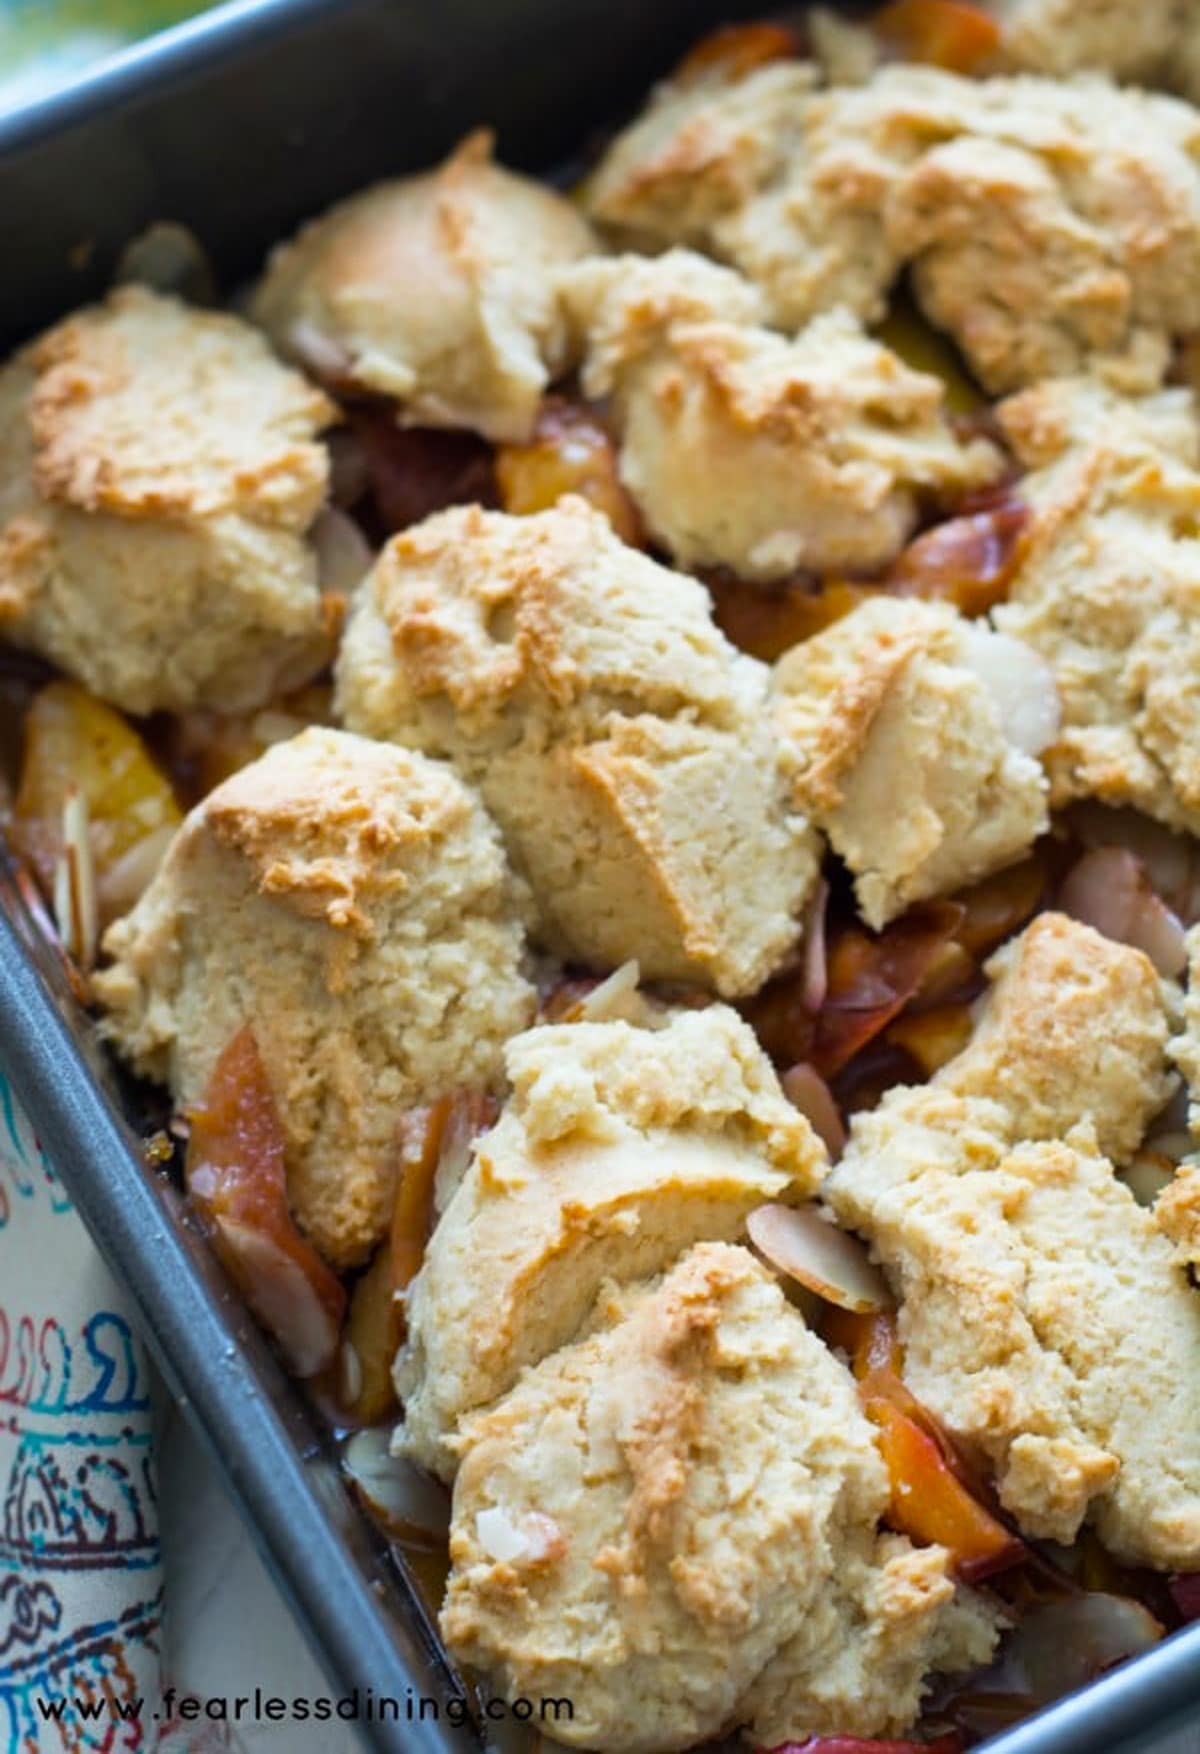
[618, 739]
[1043, 1315]
[618, 1148]
[1141, 44]
[748, 450]
[350, 901]
[690, 1496]
[901, 755]
[1044, 222]
[1107, 589]
[1075, 1028]
[435, 291]
[158, 472]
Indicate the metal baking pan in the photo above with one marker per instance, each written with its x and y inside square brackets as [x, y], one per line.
[239, 125]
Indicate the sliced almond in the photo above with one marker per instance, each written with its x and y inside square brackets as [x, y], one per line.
[344, 556]
[615, 999]
[1108, 889]
[1065, 1644]
[806, 1090]
[798, 1241]
[410, 1506]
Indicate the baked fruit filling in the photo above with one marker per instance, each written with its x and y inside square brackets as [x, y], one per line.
[629, 763]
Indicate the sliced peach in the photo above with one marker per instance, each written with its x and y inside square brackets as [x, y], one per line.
[413, 471]
[969, 560]
[738, 49]
[932, 1495]
[766, 622]
[869, 1341]
[941, 33]
[370, 1341]
[929, 1503]
[76, 747]
[869, 979]
[953, 974]
[932, 1036]
[236, 1180]
[999, 906]
[873, 975]
[570, 452]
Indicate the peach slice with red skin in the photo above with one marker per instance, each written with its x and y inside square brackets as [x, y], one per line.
[932, 1495]
[237, 1183]
[569, 451]
[736, 50]
[940, 33]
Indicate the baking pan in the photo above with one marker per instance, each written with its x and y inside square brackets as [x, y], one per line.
[238, 125]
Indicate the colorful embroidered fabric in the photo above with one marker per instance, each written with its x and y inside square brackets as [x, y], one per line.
[80, 1567]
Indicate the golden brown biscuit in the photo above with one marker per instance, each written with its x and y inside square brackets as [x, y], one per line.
[620, 742]
[350, 902]
[702, 148]
[617, 1149]
[158, 472]
[1043, 1318]
[1044, 222]
[746, 450]
[1067, 416]
[1136, 43]
[1107, 589]
[433, 290]
[673, 1524]
[1177, 1213]
[1075, 1029]
[913, 735]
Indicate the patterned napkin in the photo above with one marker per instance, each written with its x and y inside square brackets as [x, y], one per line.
[80, 1568]
[81, 1596]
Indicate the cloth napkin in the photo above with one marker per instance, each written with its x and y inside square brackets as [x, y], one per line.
[89, 1637]
[80, 1563]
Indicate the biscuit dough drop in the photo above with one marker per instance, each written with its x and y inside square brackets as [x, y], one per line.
[1045, 223]
[160, 472]
[621, 743]
[434, 291]
[913, 735]
[757, 452]
[690, 1496]
[1044, 1317]
[350, 901]
[1107, 590]
[617, 1148]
